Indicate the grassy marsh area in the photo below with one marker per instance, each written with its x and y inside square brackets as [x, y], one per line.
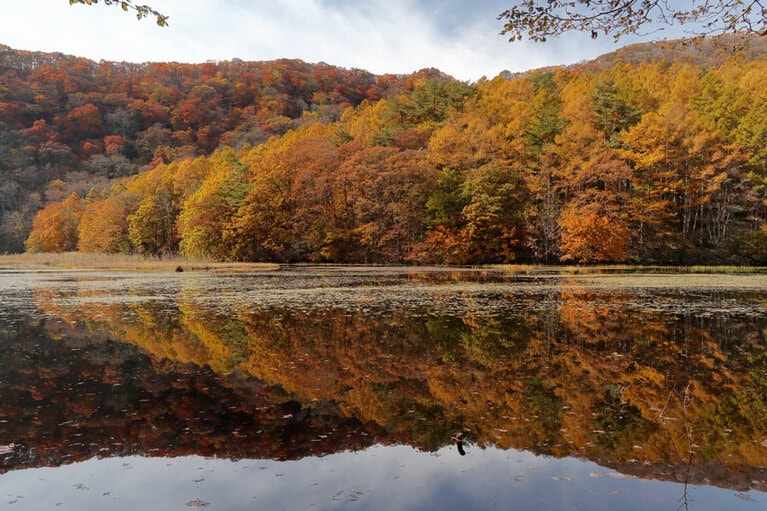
[92, 261]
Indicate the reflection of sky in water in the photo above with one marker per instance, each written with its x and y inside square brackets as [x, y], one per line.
[379, 478]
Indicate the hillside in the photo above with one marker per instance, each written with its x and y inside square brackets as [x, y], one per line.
[702, 52]
[652, 154]
[65, 119]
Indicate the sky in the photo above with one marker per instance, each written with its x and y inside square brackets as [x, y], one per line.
[459, 37]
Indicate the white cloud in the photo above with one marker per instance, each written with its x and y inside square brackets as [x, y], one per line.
[382, 36]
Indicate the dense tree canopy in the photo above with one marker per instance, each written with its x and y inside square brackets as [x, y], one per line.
[652, 160]
[539, 20]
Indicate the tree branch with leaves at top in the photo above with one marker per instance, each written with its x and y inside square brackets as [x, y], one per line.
[541, 19]
[142, 11]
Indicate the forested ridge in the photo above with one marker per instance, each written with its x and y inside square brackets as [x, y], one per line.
[652, 154]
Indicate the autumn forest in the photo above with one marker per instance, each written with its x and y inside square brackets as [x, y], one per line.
[655, 154]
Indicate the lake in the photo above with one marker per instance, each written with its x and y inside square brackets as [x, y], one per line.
[383, 389]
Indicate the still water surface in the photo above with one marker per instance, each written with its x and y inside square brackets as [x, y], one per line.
[382, 388]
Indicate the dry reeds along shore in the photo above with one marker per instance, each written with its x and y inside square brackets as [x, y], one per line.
[80, 260]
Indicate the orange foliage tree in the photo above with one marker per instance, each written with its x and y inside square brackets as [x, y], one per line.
[588, 237]
[55, 228]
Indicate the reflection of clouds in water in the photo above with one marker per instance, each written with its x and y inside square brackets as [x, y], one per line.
[380, 477]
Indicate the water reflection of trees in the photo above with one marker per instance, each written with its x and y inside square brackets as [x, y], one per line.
[579, 375]
[70, 395]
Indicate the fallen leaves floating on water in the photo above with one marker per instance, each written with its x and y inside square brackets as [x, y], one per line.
[745, 496]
